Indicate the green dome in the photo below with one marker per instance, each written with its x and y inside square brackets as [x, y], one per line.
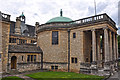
[59, 19]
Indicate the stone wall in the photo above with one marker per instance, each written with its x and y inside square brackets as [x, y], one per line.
[0, 44]
[61, 67]
[5, 42]
[76, 49]
[23, 65]
[53, 53]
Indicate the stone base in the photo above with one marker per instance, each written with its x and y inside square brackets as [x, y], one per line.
[0, 75]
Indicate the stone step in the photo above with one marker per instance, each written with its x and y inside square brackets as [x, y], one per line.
[14, 71]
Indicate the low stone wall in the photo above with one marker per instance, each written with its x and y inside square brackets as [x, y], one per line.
[21, 67]
[61, 66]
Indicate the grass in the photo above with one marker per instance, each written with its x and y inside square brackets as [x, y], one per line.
[63, 75]
[12, 78]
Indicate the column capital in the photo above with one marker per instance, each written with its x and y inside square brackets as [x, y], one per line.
[93, 29]
[80, 30]
[104, 28]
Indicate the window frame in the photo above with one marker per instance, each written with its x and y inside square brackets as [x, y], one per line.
[74, 60]
[74, 35]
[55, 40]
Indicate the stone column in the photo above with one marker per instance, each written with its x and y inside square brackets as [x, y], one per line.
[106, 45]
[117, 47]
[107, 69]
[98, 47]
[94, 64]
[93, 45]
[110, 46]
[114, 46]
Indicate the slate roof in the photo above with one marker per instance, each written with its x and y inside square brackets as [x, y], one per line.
[24, 48]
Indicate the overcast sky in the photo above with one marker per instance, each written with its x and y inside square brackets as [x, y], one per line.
[43, 10]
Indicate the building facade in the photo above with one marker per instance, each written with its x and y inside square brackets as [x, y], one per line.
[19, 51]
[79, 46]
[87, 45]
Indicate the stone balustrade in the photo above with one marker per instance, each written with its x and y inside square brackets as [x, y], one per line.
[85, 21]
[5, 17]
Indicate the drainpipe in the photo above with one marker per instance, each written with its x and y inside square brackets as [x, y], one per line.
[41, 60]
[68, 50]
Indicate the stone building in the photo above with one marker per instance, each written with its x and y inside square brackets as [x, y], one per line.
[19, 51]
[87, 45]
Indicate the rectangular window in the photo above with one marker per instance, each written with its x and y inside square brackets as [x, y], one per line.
[21, 41]
[28, 58]
[52, 67]
[56, 67]
[75, 60]
[22, 58]
[54, 37]
[34, 58]
[32, 41]
[0, 57]
[31, 58]
[72, 60]
[12, 40]
[74, 35]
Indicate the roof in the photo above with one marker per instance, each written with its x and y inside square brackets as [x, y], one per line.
[24, 48]
[30, 28]
[59, 19]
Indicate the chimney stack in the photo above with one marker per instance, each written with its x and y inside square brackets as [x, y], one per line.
[17, 26]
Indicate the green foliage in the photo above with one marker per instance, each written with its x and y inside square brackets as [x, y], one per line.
[12, 78]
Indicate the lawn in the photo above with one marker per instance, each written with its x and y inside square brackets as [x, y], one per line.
[63, 76]
[12, 78]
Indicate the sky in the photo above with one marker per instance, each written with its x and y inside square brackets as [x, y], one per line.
[43, 10]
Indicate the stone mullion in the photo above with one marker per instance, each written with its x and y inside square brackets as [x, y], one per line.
[106, 45]
[93, 45]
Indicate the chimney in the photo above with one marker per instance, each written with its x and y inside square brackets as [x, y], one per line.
[36, 26]
[17, 26]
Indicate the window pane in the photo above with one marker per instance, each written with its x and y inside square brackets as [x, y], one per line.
[55, 37]
[56, 67]
[31, 58]
[72, 60]
[34, 58]
[28, 58]
[74, 35]
[52, 67]
[12, 40]
[22, 58]
[75, 60]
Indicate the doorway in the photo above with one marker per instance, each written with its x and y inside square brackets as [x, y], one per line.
[13, 62]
